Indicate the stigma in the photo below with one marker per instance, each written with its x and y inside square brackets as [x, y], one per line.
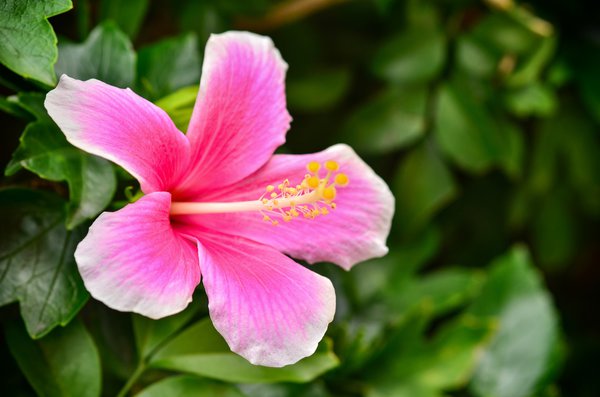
[313, 197]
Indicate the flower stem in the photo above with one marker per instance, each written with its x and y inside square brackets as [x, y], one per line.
[132, 379]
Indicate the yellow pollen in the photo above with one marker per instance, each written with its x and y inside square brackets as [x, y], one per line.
[313, 166]
[270, 188]
[329, 193]
[332, 165]
[341, 180]
[313, 182]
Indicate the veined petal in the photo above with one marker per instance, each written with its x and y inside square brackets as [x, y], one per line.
[133, 260]
[355, 231]
[120, 126]
[240, 115]
[270, 310]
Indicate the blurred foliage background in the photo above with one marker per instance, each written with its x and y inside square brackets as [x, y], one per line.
[483, 116]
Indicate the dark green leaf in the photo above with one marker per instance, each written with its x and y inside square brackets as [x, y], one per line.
[45, 151]
[106, 55]
[150, 334]
[554, 231]
[423, 368]
[188, 385]
[441, 291]
[519, 354]
[392, 120]
[168, 66]
[128, 14]
[200, 350]
[467, 132]
[423, 184]
[64, 363]
[36, 260]
[318, 91]
[413, 57]
[28, 43]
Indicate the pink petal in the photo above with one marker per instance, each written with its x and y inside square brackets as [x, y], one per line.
[270, 310]
[121, 126]
[240, 116]
[355, 231]
[133, 260]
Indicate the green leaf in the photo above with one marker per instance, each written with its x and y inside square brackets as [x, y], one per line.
[423, 184]
[555, 232]
[64, 363]
[180, 105]
[441, 291]
[520, 352]
[150, 334]
[168, 66]
[36, 260]
[28, 45]
[319, 91]
[392, 120]
[106, 55]
[467, 132]
[200, 350]
[534, 99]
[45, 151]
[421, 368]
[128, 14]
[32, 103]
[413, 57]
[187, 385]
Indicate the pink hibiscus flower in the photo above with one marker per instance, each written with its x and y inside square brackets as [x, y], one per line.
[219, 205]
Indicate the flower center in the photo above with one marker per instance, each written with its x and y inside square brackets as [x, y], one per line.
[313, 197]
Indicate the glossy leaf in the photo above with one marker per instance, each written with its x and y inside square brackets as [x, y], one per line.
[28, 45]
[106, 55]
[45, 151]
[200, 350]
[64, 363]
[519, 354]
[36, 260]
[390, 121]
[168, 66]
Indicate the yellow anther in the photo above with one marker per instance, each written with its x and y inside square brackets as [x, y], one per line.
[294, 212]
[313, 166]
[313, 182]
[324, 211]
[341, 179]
[333, 205]
[264, 201]
[266, 218]
[329, 193]
[275, 223]
[292, 191]
[273, 195]
[332, 165]
[287, 218]
[270, 188]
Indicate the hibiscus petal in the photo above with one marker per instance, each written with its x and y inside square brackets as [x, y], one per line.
[133, 260]
[270, 310]
[240, 116]
[355, 231]
[121, 126]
